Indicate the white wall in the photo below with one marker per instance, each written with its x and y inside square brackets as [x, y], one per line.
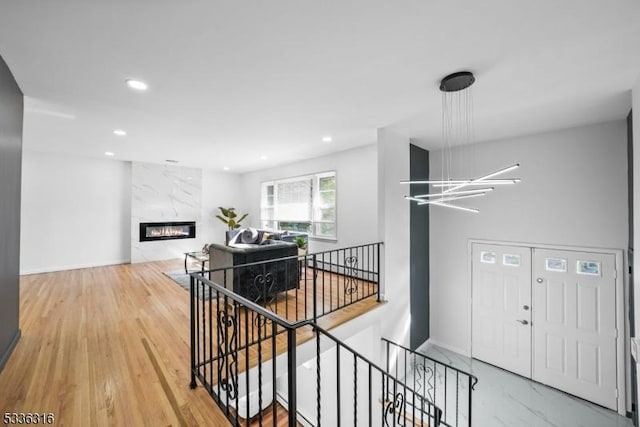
[174, 193]
[62, 193]
[635, 94]
[218, 189]
[356, 172]
[75, 212]
[163, 193]
[636, 204]
[573, 192]
[393, 230]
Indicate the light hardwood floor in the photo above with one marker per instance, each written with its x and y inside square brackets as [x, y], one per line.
[109, 346]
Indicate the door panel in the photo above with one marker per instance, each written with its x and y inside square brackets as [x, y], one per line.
[574, 324]
[501, 289]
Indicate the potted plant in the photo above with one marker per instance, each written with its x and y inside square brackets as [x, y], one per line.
[229, 217]
[302, 245]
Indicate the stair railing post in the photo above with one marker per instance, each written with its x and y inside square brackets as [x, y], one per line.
[470, 386]
[315, 288]
[379, 269]
[193, 383]
[292, 389]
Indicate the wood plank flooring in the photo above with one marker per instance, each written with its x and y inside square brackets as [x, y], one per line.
[109, 346]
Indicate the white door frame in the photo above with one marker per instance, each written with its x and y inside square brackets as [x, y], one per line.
[622, 321]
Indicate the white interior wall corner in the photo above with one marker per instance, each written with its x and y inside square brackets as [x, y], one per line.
[635, 94]
[393, 229]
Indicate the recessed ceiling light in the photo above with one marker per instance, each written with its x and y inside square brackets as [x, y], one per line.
[263, 157]
[327, 139]
[119, 132]
[226, 168]
[108, 153]
[137, 84]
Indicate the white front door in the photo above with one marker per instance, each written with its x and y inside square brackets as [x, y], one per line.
[501, 314]
[574, 323]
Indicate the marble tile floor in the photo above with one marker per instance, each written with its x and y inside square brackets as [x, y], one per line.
[505, 399]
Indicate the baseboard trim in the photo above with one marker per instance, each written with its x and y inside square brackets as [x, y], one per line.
[12, 346]
[449, 347]
[73, 267]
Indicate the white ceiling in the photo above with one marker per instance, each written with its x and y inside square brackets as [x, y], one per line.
[233, 80]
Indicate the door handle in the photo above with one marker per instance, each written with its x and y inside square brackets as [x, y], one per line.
[539, 280]
[524, 322]
[526, 307]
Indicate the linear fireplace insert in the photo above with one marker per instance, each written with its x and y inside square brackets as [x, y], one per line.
[150, 231]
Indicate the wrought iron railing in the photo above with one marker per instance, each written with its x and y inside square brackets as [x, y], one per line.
[306, 287]
[254, 378]
[449, 388]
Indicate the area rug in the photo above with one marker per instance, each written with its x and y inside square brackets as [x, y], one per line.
[184, 280]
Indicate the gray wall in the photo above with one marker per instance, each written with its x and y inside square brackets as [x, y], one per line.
[11, 108]
[419, 249]
[573, 192]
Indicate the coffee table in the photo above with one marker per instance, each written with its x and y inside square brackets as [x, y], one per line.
[196, 256]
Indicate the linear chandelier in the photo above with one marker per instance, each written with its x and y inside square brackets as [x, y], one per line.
[457, 129]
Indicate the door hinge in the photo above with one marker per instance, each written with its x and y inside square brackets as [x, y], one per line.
[615, 333]
[615, 274]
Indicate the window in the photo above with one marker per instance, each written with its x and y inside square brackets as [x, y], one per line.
[556, 264]
[511, 260]
[589, 268]
[304, 203]
[488, 257]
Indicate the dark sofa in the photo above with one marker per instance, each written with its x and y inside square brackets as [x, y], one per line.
[261, 282]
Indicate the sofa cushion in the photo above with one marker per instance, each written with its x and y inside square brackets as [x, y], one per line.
[250, 235]
[271, 235]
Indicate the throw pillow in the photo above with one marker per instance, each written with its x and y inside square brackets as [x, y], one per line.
[250, 235]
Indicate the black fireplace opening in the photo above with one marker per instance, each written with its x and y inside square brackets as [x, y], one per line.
[150, 231]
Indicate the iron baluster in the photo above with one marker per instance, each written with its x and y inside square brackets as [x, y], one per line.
[274, 407]
[292, 390]
[369, 396]
[355, 390]
[318, 385]
[315, 288]
[260, 374]
[338, 381]
[193, 383]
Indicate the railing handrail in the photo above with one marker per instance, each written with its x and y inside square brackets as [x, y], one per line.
[433, 360]
[366, 360]
[229, 344]
[253, 305]
[244, 301]
[291, 326]
[294, 257]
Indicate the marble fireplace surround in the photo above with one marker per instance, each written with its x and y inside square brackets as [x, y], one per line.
[164, 193]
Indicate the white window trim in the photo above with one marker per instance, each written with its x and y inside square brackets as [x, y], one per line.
[315, 177]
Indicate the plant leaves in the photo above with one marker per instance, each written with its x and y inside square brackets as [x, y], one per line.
[229, 217]
[242, 217]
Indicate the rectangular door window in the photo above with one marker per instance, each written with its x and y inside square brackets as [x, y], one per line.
[588, 268]
[511, 260]
[488, 257]
[556, 264]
